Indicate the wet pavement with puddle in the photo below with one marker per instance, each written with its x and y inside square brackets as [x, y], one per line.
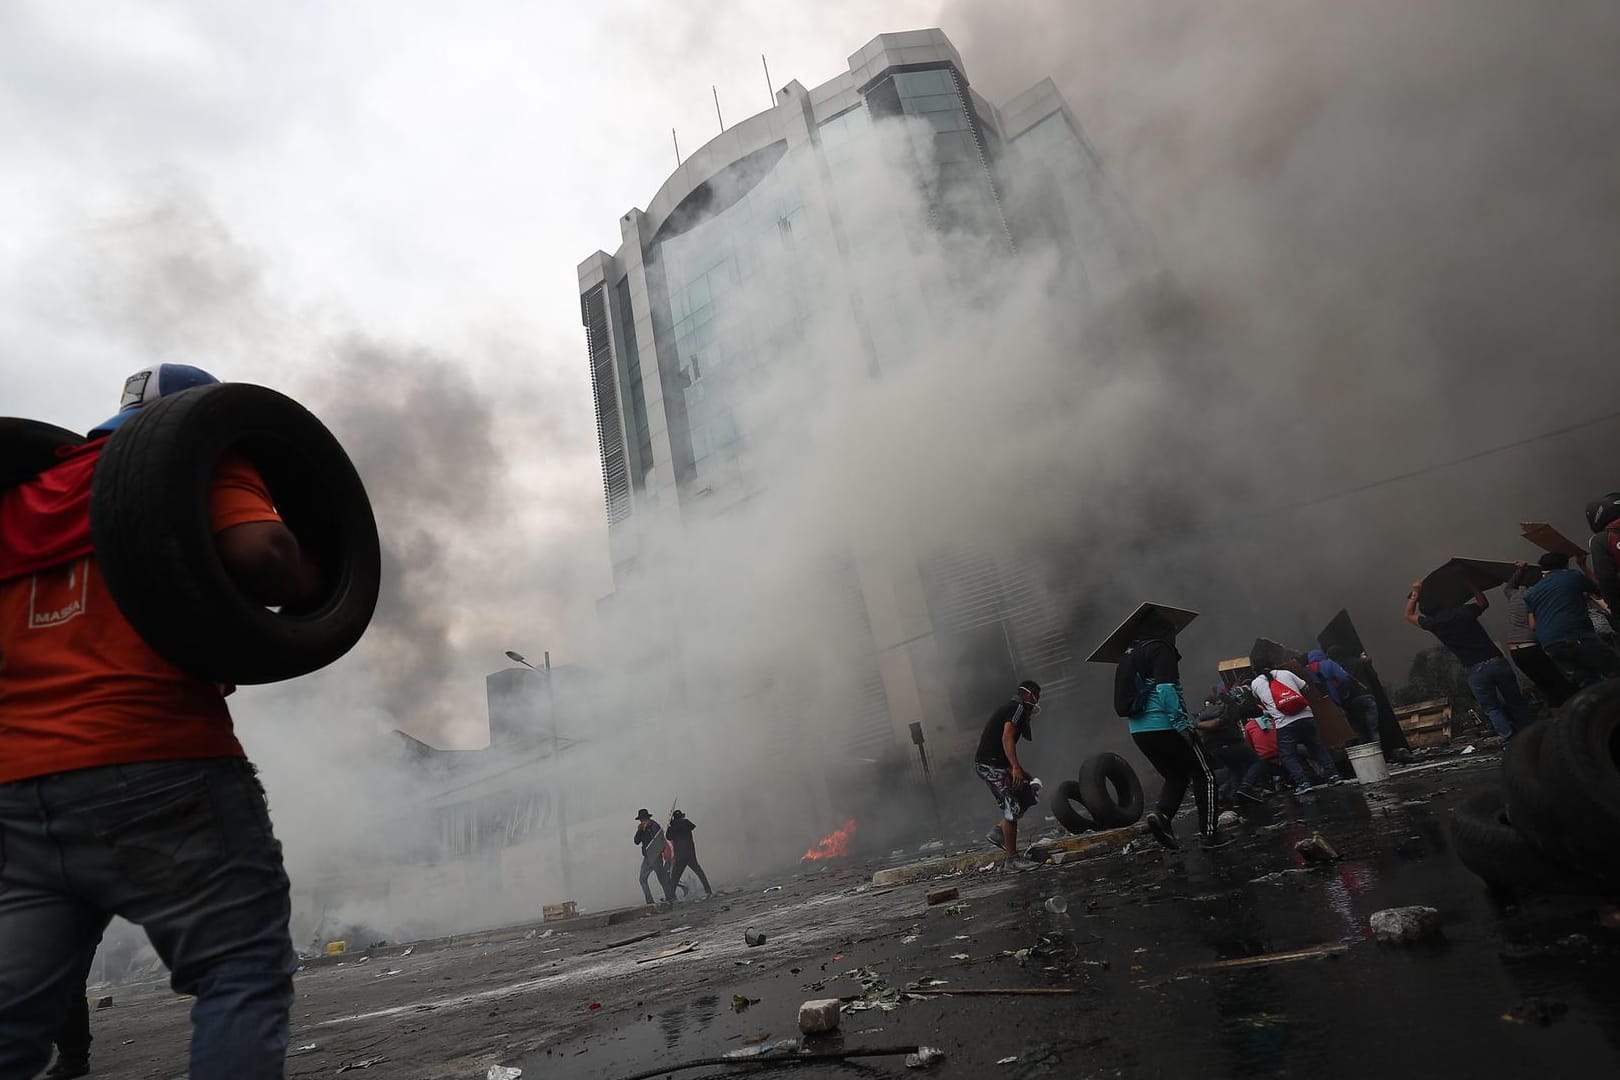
[1522, 989]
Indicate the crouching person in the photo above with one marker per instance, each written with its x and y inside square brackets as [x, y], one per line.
[996, 763]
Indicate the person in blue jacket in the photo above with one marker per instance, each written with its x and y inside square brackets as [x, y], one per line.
[1147, 693]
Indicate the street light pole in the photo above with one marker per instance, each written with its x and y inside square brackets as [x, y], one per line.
[556, 748]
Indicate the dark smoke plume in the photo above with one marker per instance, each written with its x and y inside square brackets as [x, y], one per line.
[1393, 227]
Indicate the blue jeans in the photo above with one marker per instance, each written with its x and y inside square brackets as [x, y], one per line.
[1496, 689]
[182, 849]
[1302, 733]
[1584, 660]
[654, 867]
[1362, 711]
[1243, 767]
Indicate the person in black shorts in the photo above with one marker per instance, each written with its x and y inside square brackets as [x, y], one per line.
[997, 764]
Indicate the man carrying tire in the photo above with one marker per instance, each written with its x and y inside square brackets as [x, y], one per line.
[996, 763]
[1147, 694]
[123, 789]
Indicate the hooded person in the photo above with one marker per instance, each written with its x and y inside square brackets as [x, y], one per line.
[680, 832]
[1148, 694]
[1359, 705]
[107, 749]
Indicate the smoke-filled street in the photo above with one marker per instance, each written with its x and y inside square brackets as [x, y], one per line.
[1145, 959]
[993, 489]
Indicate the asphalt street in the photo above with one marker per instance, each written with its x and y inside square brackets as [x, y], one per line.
[1531, 988]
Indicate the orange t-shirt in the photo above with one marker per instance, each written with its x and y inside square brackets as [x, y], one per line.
[78, 687]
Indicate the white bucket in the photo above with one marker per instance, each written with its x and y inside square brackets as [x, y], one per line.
[1368, 761]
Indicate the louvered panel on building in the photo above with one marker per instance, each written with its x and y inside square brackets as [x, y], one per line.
[605, 391]
[870, 733]
[969, 591]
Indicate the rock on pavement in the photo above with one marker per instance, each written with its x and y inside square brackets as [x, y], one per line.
[820, 1015]
[1406, 925]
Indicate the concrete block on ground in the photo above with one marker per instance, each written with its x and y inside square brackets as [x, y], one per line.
[820, 1015]
[939, 896]
[1406, 925]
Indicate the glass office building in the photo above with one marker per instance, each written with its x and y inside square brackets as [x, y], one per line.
[677, 334]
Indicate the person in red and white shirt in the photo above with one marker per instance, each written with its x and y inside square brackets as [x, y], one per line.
[1282, 695]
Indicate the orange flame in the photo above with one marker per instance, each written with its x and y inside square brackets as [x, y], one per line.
[832, 845]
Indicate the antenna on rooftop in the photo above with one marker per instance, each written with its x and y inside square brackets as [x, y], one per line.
[717, 115]
[677, 143]
[770, 92]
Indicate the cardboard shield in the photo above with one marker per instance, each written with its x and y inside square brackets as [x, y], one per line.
[1113, 647]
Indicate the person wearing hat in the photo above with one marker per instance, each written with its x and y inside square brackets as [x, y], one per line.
[680, 838]
[123, 788]
[650, 839]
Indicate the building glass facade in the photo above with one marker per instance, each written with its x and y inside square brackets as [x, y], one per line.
[638, 431]
[717, 342]
[719, 267]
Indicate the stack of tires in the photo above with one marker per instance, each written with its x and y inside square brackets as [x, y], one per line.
[1109, 791]
[1554, 824]
[150, 525]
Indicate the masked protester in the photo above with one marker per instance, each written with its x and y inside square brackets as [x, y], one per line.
[996, 763]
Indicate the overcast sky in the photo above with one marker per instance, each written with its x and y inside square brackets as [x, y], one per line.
[238, 184]
[1417, 198]
[420, 169]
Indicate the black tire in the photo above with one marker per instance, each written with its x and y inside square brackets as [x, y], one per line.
[149, 521]
[1579, 762]
[1064, 796]
[1111, 791]
[28, 448]
[1532, 805]
[1488, 844]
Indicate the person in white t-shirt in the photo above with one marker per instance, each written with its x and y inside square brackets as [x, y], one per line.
[1282, 694]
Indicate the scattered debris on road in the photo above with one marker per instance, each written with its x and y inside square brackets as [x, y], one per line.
[926, 1057]
[1314, 952]
[363, 1064]
[1536, 1010]
[503, 1072]
[1315, 849]
[753, 937]
[622, 942]
[683, 947]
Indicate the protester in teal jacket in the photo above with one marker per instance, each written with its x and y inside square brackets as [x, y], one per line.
[1147, 693]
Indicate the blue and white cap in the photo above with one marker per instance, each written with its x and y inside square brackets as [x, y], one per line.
[149, 384]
